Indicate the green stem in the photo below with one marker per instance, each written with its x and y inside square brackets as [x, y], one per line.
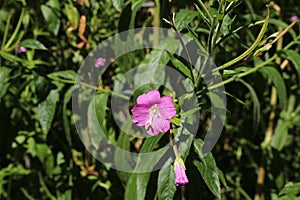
[211, 33]
[91, 87]
[26, 194]
[238, 29]
[251, 48]
[45, 188]
[296, 41]
[206, 11]
[244, 73]
[6, 31]
[221, 13]
[18, 39]
[12, 37]
[156, 22]
[173, 25]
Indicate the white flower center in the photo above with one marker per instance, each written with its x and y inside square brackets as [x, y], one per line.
[154, 110]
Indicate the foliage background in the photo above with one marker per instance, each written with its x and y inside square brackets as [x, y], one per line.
[42, 157]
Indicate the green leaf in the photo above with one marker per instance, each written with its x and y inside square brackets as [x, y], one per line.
[123, 143]
[150, 143]
[136, 5]
[216, 100]
[279, 139]
[276, 78]
[294, 57]
[166, 187]
[118, 4]
[72, 14]
[184, 17]
[46, 110]
[13, 58]
[4, 78]
[66, 74]
[97, 119]
[176, 121]
[208, 169]
[67, 98]
[136, 186]
[11, 172]
[190, 112]
[181, 67]
[33, 44]
[284, 25]
[51, 13]
[290, 190]
[256, 104]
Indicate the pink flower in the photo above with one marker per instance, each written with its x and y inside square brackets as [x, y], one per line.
[294, 18]
[22, 50]
[180, 176]
[153, 112]
[100, 62]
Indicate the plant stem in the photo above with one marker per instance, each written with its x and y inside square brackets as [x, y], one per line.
[210, 36]
[173, 25]
[91, 87]
[156, 22]
[250, 71]
[12, 37]
[44, 187]
[206, 11]
[251, 48]
[270, 130]
[6, 31]
[175, 149]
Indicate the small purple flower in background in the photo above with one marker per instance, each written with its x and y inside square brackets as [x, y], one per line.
[180, 176]
[22, 50]
[294, 18]
[153, 112]
[100, 62]
[19, 49]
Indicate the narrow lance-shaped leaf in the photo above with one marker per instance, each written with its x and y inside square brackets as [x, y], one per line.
[51, 13]
[33, 44]
[277, 80]
[256, 105]
[208, 169]
[166, 187]
[280, 136]
[46, 110]
[134, 189]
[294, 57]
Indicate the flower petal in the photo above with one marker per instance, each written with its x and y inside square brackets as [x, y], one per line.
[166, 126]
[166, 107]
[159, 124]
[181, 178]
[150, 130]
[150, 98]
[140, 114]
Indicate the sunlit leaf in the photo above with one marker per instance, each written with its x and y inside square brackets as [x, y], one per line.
[66, 74]
[51, 13]
[118, 4]
[183, 18]
[279, 140]
[290, 190]
[33, 44]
